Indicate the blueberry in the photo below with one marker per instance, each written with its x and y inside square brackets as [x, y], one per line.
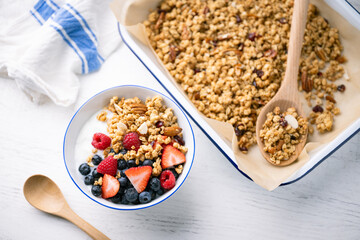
[96, 174]
[147, 162]
[84, 169]
[131, 194]
[153, 194]
[154, 184]
[122, 164]
[123, 182]
[96, 159]
[96, 190]
[116, 198]
[144, 197]
[160, 192]
[131, 163]
[89, 180]
[175, 173]
[122, 173]
[112, 151]
[124, 201]
[123, 151]
[121, 190]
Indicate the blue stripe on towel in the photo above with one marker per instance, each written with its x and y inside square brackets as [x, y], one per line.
[69, 43]
[75, 31]
[43, 9]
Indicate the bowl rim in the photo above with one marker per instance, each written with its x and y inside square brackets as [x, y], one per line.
[136, 207]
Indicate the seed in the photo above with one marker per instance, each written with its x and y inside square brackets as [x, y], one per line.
[251, 36]
[254, 84]
[179, 140]
[341, 88]
[159, 124]
[318, 108]
[282, 20]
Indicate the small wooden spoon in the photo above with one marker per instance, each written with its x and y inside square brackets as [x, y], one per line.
[42, 193]
[288, 95]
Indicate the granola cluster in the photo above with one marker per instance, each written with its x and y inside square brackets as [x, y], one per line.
[281, 133]
[155, 123]
[230, 58]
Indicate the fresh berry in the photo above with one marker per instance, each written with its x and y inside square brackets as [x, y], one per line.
[167, 180]
[123, 151]
[144, 197]
[108, 166]
[139, 177]
[153, 194]
[176, 175]
[123, 182]
[84, 169]
[121, 164]
[131, 194]
[116, 198]
[154, 184]
[160, 192]
[96, 174]
[89, 180]
[131, 141]
[96, 190]
[101, 141]
[110, 186]
[96, 159]
[124, 200]
[122, 173]
[147, 162]
[171, 157]
[112, 151]
[131, 163]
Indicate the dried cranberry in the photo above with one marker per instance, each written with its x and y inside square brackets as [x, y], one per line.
[292, 137]
[251, 36]
[283, 122]
[319, 74]
[179, 140]
[244, 149]
[197, 70]
[341, 88]
[159, 124]
[197, 95]
[318, 108]
[282, 20]
[258, 72]
[239, 132]
[238, 19]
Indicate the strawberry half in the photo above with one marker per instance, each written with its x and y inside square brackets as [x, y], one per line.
[171, 157]
[139, 177]
[108, 166]
[110, 186]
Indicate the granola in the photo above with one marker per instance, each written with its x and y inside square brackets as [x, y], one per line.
[281, 133]
[230, 58]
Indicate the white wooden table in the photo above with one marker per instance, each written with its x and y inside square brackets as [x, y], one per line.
[215, 202]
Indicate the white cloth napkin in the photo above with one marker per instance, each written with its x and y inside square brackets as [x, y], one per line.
[46, 49]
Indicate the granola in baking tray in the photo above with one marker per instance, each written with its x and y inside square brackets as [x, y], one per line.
[230, 58]
[141, 155]
[281, 132]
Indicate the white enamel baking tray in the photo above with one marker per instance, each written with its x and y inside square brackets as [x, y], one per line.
[144, 54]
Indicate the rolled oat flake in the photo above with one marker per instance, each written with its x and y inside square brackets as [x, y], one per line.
[292, 121]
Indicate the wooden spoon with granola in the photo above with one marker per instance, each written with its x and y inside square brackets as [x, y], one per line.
[287, 97]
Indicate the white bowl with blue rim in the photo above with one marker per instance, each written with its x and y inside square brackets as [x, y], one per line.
[96, 103]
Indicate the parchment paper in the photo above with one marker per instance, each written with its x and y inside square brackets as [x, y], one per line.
[131, 13]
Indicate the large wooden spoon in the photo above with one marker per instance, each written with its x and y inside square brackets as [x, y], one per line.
[42, 193]
[288, 95]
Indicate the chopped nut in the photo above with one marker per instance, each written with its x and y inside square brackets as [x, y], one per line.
[172, 131]
[320, 53]
[330, 98]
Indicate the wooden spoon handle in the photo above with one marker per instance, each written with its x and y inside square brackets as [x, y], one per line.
[70, 215]
[298, 24]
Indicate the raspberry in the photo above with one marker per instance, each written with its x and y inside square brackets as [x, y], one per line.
[101, 141]
[167, 180]
[108, 166]
[131, 141]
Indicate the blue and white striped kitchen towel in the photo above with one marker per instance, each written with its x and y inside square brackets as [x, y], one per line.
[45, 50]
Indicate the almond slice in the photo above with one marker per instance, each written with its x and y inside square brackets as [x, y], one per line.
[143, 129]
[292, 121]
